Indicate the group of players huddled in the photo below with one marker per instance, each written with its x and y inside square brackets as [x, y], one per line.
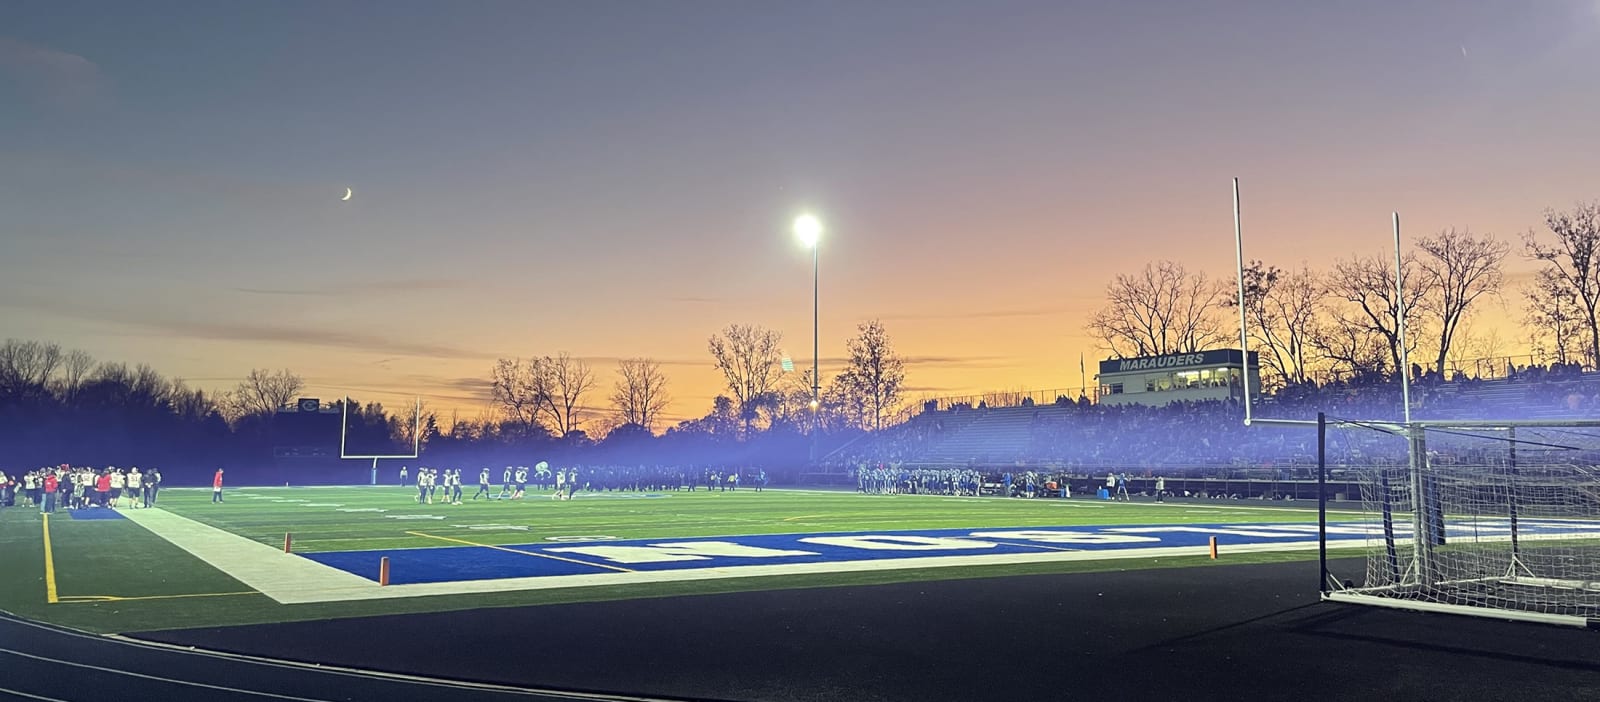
[896, 480]
[80, 487]
[566, 482]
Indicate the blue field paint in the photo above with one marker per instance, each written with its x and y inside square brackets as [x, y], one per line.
[449, 564]
[95, 513]
[462, 563]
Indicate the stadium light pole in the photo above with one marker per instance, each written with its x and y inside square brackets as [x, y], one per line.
[808, 229]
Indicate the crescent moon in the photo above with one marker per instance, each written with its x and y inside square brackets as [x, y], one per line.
[347, 194]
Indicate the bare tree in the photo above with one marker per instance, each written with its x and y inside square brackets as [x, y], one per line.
[1350, 349]
[560, 383]
[262, 393]
[640, 393]
[1281, 311]
[75, 367]
[1161, 310]
[415, 428]
[751, 363]
[1574, 260]
[514, 390]
[1372, 308]
[26, 367]
[189, 403]
[875, 372]
[1554, 317]
[1456, 269]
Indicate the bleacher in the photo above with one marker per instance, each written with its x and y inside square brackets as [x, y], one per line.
[989, 435]
[1207, 436]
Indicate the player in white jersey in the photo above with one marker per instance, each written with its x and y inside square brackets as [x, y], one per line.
[455, 487]
[117, 483]
[483, 485]
[135, 482]
[522, 483]
[422, 485]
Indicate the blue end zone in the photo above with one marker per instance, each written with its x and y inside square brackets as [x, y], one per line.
[93, 513]
[459, 563]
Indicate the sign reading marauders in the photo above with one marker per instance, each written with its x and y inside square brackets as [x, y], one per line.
[1177, 361]
[811, 552]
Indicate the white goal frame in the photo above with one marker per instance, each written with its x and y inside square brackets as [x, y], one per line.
[1329, 587]
[416, 436]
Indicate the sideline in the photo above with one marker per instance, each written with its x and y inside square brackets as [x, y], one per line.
[49, 566]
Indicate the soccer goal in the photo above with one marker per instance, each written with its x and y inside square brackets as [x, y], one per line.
[1473, 517]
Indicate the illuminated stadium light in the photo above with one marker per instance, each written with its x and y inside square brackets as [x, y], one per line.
[808, 229]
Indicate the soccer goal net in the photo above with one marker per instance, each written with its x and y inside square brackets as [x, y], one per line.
[1500, 521]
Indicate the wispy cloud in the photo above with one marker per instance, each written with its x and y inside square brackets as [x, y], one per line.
[152, 321]
[53, 75]
[384, 286]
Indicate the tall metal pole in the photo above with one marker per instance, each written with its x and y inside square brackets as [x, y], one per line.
[1322, 500]
[1400, 321]
[816, 353]
[1244, 338]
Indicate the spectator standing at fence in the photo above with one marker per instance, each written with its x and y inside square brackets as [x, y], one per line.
[216, 487]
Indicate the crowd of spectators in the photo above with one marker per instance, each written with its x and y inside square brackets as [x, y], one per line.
[1083, 438]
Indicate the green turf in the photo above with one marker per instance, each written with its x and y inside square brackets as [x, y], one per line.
[100, 565]
[253, 514]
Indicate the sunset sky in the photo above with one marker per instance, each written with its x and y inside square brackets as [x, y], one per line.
[617, 179]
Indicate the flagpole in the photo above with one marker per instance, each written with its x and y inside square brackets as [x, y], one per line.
[1083, 380]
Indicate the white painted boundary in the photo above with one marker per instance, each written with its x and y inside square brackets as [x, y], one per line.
[291, 579]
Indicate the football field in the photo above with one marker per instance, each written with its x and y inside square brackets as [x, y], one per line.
[191, 562]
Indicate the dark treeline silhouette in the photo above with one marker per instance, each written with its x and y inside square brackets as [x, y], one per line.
[61, 407]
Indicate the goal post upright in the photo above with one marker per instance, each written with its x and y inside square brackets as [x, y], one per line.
[416, 437]
[1322, 502]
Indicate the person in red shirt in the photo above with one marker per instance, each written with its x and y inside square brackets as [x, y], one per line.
[102, 488]
[50, 486]
[216, 487]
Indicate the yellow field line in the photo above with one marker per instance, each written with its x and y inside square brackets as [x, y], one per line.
[525, 553]
[49, 566]
[71, 599]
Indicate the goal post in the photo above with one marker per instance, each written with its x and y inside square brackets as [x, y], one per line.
[1496, 519]
[416, 437]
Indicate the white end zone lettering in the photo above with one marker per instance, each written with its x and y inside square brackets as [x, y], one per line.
[683, 551]
[1231, 531]
[887, 542]
[1063, 537]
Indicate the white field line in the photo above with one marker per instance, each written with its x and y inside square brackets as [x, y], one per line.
[291, 579]
[260, 567]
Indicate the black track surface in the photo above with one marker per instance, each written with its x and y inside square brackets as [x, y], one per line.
[49, 664]
[1219, 633]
